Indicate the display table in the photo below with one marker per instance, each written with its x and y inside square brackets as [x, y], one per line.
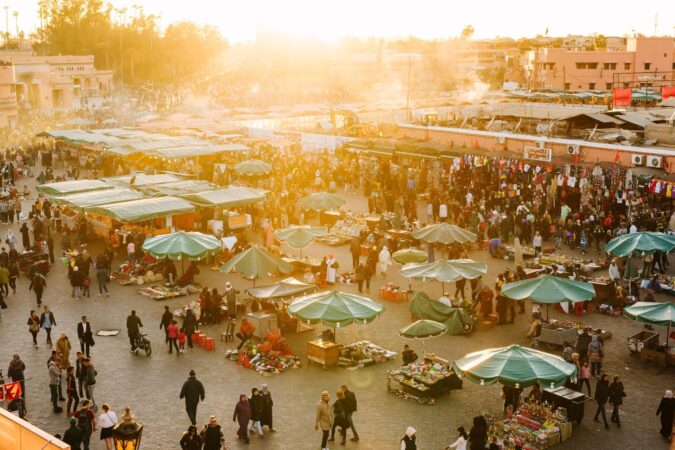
[363, 354]
[424, 381]
[556, 334]
[329, 217]
[264, 323]
[157, 292]
[533, 426]
[604, 290]
[325, 353]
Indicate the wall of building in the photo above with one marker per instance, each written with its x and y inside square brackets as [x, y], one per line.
[8, 107]
[590, 152]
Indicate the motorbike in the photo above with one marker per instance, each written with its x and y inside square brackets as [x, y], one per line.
[143, 343]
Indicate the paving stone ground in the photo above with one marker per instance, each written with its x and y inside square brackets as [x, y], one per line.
[150, 385]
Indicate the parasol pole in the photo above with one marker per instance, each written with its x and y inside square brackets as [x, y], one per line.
[424, 341]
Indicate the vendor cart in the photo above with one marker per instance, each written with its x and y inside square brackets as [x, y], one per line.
[641, 340]
[562, 397]
[34, 261]
[555, 335]
[325, 353]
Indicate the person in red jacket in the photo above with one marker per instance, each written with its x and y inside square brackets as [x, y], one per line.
[172, 334]
[246, 330]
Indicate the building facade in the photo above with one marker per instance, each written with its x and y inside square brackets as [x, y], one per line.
[644, 62]
[58, 82]
[8, 106]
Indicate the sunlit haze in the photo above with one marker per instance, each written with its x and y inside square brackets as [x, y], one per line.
[238, 21]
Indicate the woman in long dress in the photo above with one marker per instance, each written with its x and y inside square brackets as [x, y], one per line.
[383, 260]
[331, 269]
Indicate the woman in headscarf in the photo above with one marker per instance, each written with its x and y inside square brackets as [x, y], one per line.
[595, 355]
[242, 414]
[63, 346]
[331, 269]
[667, 411]
[383, 260]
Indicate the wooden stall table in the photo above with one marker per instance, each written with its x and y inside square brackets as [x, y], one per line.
[604, 290]
[325, 353]
[329, 217]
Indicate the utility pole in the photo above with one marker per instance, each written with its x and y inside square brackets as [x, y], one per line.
[6, 27]
[16, 25]
[407, 102]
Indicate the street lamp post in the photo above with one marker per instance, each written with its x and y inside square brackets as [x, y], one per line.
[127, 433]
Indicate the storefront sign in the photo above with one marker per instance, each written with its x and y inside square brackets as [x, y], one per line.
[538, 154]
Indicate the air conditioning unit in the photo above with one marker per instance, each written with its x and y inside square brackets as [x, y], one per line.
[654, 161]
[637, 160]
[573, 149]
[540, 145]
[501, 140]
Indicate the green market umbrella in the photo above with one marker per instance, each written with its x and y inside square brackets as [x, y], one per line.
[321, 201]
[457, 320]
[445, 270]
[642, 243]
[191, 245]
[444, 233]
[410, 255]
[284, 288]
[256, 262]
[253, 167]
[423, 329]
[334, 308]
[549, 289]
[300, 236]
[652, 313]
[514, 366]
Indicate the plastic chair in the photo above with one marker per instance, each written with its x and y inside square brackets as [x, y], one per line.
[209, 344]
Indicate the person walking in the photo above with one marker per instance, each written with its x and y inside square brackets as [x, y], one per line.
[256, 402]
[47, 321]
[584, 378]
[80, 373]
[601, 397]
[73, 435]
[86, 422]
[339, 417]
[173, 337]
[90, 382]
[71, 391]
[38, 284]
[76, 282]
[460, 443]
[616, 395]
[268, 403]
[85, 336]
[192, 391]
[191, 440]
[102, 277]
[324, 418]
[667, 411]
[134, 326]
[409, 441]
[595, 355]
[230, 295]
[242, 414]
[33, 326]
[63, 347]
[16, 372]
[213, 435]
[106, 422]
[350, 409]
[54, 376]
[13, 275]
[355, 250]
[167, 317]
[190, 325]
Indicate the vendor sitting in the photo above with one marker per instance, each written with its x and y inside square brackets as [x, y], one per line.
[495, 247]
[327, 335]
[535, 394]
[445, 299]
[409, 356]
[246, 330]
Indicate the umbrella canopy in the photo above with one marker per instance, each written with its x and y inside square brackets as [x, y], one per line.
[445, 270]
[320, 201]
[410, 255]
[284, 288]
[515, 366]
[457, 320]
[444, 233]
[645, 242]
[549, 289]
[652, 313]
[423, 329]
[179, 245]
[334, 308]
[256, 262]
[300, 236]
[253, 167]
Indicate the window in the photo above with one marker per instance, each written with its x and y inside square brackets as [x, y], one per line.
[591, 86]
[674, 66]
[608, 86]
[581, 65]
[626, 66]
[626, 84]
[549, 66]
[592, 65]
[648, 66]
[609, 66]
[567, 86]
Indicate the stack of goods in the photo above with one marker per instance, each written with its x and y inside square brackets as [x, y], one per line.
[157, 292]
[393, 293]
[271, 357]
[344, 229]
[603, 334]
[427, 379]
[667, 284]
[146, 270]
[534, 426]
[570, 263]
[363, 354]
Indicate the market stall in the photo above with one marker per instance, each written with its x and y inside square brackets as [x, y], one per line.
[62, 188]
[78, 202]
[224, 203]
[272, 356]
[657, 349]
[300, 236]
[457, 320]
[255, 263]
[363, 354]
[423, 381]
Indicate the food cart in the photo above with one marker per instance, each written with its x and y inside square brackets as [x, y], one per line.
[325, 353]
[424, 381]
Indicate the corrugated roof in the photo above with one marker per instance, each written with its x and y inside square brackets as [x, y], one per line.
[228, 197]
[94, 198]
[141, 179]
[71, 187]
[141, 210]
[542, 111]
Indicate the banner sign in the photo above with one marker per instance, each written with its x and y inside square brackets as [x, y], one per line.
[538, 154]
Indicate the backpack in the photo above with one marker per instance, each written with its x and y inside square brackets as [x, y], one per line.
[83, 423]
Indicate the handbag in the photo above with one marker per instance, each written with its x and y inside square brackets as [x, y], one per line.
[34, 327]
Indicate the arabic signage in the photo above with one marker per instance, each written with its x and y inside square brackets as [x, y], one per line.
[538, 154]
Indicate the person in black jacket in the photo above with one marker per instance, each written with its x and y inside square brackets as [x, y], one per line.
[191, 440]
[667, 411]
[133, 330]
[256, 402]
[73, 435]
[350, 408]
[76, 281]
[213, 435]
[47, 321]
[85, 336]
[601, 397]
[267, 407]
[190, 326]
[167, 317]
[616, 395]
[192, 392]
[479, 433]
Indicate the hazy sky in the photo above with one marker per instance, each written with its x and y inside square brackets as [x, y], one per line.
[395, 18]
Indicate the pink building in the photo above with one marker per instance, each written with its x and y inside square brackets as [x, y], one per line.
[646, 61]
[8, 111]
